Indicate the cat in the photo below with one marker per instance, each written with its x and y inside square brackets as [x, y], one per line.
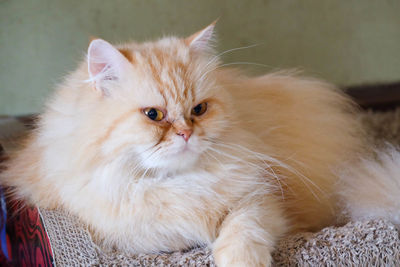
[157, 147]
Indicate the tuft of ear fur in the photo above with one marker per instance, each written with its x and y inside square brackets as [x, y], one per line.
[202, 40]
[105, 64]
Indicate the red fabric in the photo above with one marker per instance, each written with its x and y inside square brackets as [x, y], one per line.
[27, 240]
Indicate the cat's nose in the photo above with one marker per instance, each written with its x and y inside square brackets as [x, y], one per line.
[186, 133]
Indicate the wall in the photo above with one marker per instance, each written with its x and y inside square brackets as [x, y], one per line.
[345, 42]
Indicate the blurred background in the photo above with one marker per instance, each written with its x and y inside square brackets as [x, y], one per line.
[344, 42]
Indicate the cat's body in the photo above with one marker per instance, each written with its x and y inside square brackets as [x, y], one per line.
[258, 160]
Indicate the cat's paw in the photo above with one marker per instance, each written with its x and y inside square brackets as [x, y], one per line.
[237, 255]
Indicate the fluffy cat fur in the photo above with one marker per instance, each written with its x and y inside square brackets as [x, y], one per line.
[261, 162]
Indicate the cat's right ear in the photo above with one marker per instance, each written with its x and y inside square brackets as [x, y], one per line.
[105, 64]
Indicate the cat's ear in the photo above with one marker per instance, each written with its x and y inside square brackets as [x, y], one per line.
[105, 64]
[202, 40]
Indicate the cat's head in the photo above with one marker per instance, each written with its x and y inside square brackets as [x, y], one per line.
[160, 102]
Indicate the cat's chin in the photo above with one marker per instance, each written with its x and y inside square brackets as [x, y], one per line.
[183, 160]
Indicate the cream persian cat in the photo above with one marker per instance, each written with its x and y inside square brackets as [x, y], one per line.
[156, 147]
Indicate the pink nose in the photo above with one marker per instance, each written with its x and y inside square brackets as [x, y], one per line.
[185, 134]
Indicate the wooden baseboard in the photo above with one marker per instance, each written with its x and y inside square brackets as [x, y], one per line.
[377, 96]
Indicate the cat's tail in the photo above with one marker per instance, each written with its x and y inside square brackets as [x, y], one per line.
[371, 188]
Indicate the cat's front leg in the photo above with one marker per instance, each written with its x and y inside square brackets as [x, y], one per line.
[248, 234]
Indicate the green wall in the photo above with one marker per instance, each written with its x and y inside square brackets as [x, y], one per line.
[345, 42]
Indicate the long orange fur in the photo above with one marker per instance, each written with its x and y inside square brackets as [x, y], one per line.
[261, 161]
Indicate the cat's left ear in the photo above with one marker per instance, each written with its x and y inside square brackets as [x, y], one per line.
[202, 40]
[105, 64]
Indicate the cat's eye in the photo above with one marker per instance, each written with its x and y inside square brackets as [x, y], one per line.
[199, 109]
[154, 114]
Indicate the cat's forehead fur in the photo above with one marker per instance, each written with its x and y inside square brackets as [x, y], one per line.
[170, 71]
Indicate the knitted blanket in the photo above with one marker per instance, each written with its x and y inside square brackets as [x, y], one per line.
[362, 243]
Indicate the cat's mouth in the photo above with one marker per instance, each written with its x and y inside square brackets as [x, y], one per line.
[179, 158]
[184, 152]
[185, 148]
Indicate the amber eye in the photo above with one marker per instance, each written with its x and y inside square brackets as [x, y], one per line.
[154, 114]
[199, 109]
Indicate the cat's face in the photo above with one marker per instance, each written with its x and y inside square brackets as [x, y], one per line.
[164, 106]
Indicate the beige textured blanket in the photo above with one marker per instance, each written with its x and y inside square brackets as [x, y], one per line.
[366, 243]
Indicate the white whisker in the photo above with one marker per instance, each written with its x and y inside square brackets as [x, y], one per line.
[265, 159]
[235, 63]
[213, 59]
